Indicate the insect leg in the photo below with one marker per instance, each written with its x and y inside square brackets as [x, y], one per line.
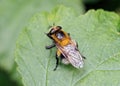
[57, 59]
[68, 34]
[50, 46]
[83, 57]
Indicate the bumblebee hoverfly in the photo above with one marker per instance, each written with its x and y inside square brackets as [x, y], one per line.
[67, 49]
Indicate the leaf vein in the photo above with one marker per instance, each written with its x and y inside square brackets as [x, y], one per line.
[46, 83]
[72, 78]
[113, 56]
[28, 71]
[29, 37]
[94, 69]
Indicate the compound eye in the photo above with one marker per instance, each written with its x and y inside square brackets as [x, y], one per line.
[55, 29]
[59, 27]
[52, 31]
[60, 35]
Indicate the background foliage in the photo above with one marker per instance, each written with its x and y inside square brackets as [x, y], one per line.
[14, 16]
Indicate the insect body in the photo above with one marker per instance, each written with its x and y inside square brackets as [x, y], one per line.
[67, 49]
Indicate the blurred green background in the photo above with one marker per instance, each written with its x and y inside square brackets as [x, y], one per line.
[14, 15]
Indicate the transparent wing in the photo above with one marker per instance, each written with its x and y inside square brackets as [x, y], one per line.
[72, 54]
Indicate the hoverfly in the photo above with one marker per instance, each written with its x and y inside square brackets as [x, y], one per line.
[67, 49]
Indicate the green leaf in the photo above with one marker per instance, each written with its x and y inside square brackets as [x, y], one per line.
[14, 14]
[98, 36]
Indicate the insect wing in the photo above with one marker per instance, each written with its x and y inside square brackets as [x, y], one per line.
[72, 54]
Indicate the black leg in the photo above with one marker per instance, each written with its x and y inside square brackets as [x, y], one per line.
[50, 46]
[83, 57]
[77, 44]
[57, 62]
[68, 34]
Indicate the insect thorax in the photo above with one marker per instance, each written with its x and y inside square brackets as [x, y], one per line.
[60, 35]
